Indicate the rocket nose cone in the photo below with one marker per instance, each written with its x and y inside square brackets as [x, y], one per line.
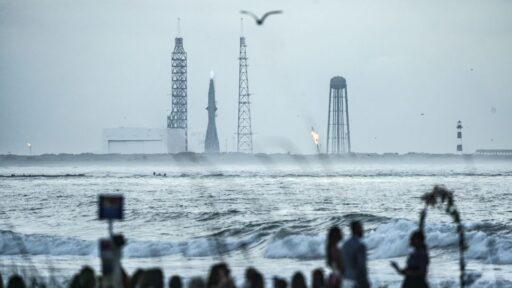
[211, 74]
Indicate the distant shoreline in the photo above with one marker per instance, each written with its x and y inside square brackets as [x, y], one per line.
[191, 158]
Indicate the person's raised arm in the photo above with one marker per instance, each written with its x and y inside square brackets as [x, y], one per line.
[397, 268]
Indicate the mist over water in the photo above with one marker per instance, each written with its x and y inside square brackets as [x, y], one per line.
[274, 216]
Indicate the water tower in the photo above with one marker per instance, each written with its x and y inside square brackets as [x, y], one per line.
[338, 129]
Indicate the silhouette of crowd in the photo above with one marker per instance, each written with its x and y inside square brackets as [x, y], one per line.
[347, 262]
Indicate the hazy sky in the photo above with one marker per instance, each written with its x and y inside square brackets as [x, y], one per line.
[68, 69]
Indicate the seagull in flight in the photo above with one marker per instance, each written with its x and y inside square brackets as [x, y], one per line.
[259, 21]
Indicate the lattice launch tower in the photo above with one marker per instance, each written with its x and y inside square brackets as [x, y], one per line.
[244, 132]
[177, 120]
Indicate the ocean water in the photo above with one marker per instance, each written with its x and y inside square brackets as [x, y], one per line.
[271, 216]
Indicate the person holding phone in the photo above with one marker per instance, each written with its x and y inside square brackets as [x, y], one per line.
[417, 263]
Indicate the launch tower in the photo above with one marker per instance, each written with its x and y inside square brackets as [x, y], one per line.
[244, 132]
[177, 120]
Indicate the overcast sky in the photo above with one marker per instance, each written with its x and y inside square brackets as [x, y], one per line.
[68, 69]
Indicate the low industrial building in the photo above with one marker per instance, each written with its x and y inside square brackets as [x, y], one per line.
[126, 140]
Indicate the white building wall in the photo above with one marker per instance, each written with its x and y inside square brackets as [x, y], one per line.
[134, 140]
[136, 146]
[143, 140]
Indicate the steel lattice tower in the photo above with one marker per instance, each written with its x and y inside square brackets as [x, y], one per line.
[244, 133]
[338, 129]
[178, 117]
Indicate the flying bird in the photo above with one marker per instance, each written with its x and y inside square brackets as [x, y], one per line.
[259, 21]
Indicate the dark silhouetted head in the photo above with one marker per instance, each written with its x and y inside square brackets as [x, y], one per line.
[75, 281]
[196, 282]
[317, 278]
[417, 240]
[153, 278]
[87, 277]
[254, 278]
[136, 278]
[298, 280]
[334, 236]
[219, 275]
[175, 282]
[280, 283]
[356, 228]
[15, 281]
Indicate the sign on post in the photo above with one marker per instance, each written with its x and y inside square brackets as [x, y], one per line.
[111, 207]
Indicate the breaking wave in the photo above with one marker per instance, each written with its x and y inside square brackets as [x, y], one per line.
[391, 239]
[13, 243]
[488, 242]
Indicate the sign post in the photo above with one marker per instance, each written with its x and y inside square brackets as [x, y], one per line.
[110, 208]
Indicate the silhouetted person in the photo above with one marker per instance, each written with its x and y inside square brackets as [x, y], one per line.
[196, 282]
[75, 281]
[317, 279]
[253, 278]
[298, 280]
[175, 282]
[260, 281]
[87, 278]
[15, 281]
[355, 258]
[332, 251]
[417, 263]
[219, 276]
[1, 281]
[280, 283]
[137, 276]
[152, 278]
[333, 256]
